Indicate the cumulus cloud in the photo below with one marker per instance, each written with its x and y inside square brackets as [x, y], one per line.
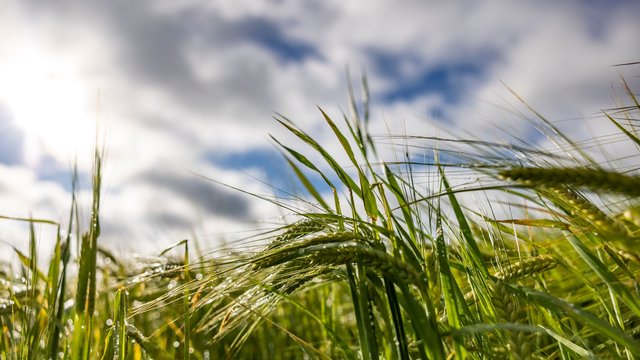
[190, 86]
[207, 196]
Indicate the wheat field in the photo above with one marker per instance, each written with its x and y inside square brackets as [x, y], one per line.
[385, 265]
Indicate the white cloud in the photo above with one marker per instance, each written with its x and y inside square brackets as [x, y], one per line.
[25, 196]
[182, 79]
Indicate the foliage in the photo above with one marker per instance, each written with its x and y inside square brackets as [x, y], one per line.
[383, 266]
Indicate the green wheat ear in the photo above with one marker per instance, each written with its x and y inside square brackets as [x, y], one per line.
[299, 229]
[510, 309]
[526, 268]
[594, 179]
[581, 208]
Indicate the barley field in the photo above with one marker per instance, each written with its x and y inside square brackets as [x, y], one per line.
[475, 250]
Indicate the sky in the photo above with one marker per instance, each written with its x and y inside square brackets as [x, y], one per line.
[183, 90]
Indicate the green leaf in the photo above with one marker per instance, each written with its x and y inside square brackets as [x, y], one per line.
[342, 174]
[450, 288]
[308, 185]
[581, 316]
[343, 141]
[368, 197]
[465, 229]
[605, 274]
[543, 223]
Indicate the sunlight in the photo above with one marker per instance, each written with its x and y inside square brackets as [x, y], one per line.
[47, 99]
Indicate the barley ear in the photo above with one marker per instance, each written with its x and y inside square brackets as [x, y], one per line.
[526, 267]
[594, 179]
[581, 208]
[509, 309]
[299, 229]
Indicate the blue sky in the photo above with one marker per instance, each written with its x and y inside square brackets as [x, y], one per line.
[188, 86]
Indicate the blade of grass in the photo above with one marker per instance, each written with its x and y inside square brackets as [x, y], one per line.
[449, 287]
[472, 247]
[308, 185]
[605, 275]
[186, 304]
[581, 316]
[86, 288]
[340, 172]
[120, 304]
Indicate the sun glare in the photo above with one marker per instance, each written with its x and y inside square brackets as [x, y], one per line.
[47, 99]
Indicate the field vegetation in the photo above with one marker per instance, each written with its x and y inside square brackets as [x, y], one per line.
[473, 250]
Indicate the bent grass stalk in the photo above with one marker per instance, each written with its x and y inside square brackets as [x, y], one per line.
[593, 179]
[582, 209]
[509, 308]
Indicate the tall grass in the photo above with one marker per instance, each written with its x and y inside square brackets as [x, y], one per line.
[384, 265]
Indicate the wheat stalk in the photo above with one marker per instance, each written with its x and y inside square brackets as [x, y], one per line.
[508, 309]
[282, 254]
[526, 267]
[364, 255]
[581, 208]
[594, 179]
[298, 230]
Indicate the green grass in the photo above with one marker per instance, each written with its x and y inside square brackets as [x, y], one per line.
[387, 265]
